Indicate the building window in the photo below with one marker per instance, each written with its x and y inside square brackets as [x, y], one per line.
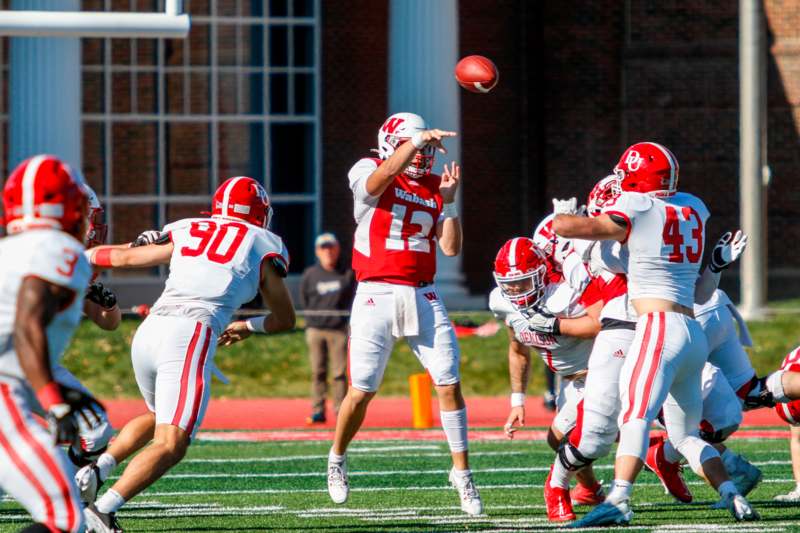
[166, 121]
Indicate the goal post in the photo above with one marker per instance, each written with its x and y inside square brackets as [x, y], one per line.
[172, 23]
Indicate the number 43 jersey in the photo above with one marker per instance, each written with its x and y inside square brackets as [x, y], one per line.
[665, 244]
[395, 240]
[216, 267]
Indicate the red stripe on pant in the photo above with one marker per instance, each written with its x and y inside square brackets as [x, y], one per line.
[577, 431]
[51, 466]
[199, 379]
[651, 374]
[638, 369]
[187, 367]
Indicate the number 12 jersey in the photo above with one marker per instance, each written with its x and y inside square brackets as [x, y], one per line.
[395, 240]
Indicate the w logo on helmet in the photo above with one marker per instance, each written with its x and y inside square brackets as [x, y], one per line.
[391, 125]
[633, 161]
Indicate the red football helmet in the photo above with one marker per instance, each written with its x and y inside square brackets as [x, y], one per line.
[398, 129]
[648, 168]
[519, 271]
[98, 230]
[603, 192]
[44, 192]
[790, 412]
[242, 198]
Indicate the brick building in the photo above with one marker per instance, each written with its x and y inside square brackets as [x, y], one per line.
[292, 92]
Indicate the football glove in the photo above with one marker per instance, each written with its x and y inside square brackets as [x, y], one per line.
[103, 297]
[150, 237]
[62, 417]
[565, 207]
[541, 321]
[728, 249]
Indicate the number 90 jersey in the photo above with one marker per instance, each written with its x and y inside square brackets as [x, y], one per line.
[665, 244]
[52, 256]
[395, 239]
[216, 267]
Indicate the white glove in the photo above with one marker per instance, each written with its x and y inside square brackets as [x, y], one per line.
[728, 249]
[150, 237]
[561, 250]
[565, 207]
[541, 321]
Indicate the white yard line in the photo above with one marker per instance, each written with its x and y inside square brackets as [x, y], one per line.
[290, 458]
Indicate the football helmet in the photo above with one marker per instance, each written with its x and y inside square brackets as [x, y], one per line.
[398, 129]
[603, 191]
[520, 270]
[242, 198]
[98, 230]
[544, 237]
[649, 168]
[789, 412]
[44, 192]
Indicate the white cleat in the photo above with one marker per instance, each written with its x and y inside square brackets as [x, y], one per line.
[88, 481]
[793, 496]
[338, 487]
[468, 493]
[741, 509]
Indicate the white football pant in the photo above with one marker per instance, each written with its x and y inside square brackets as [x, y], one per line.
[172, 359]
[725, 348]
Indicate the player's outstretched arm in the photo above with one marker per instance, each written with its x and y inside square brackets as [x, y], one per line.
[519, 363]
[601, 228]
[448, 229]
[140, 257]
[381, 177]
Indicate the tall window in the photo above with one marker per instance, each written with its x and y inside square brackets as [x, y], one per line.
[166, 121]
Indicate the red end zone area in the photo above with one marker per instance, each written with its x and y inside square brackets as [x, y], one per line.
[387, 419]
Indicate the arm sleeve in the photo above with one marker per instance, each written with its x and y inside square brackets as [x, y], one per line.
[358, 178]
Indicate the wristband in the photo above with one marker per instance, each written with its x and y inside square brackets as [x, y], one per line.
[50, 395]
[450, 210]
[417, 141]
[256, 324]
[517, 399]
[102, 258]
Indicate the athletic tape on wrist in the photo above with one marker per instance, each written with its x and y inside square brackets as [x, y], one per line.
[450, 210]
[102, 257]
[256, 324]
[417, 141]
[517, 399]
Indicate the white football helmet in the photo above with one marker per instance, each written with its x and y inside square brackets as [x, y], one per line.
[398, 129]
[544, 237]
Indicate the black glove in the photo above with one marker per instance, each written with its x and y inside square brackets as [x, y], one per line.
[103, 297]
[62, 417]
[150, 237]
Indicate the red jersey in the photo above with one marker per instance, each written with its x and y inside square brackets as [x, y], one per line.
[395, 239]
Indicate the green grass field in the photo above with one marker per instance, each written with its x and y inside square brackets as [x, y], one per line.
[277, 365]
[402, 486]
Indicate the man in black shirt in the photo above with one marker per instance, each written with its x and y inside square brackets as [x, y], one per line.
[326, 286]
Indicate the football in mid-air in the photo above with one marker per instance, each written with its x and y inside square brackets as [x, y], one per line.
[477, 74]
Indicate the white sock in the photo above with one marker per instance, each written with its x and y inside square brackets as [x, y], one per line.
[454, 424]
[110, 502]
[560, 476]
[334, 458]
[727, 488]
[775, 386]
[105, 464]
[671, 455]
[461, 474]
[620, 491]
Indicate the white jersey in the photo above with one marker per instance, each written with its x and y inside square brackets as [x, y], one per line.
[215, 267]
[665, 243]
[562, 354]
[52, 256]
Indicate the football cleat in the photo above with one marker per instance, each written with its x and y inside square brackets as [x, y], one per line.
[741, 509]
[89, 483]
[338, 486]
[468, 493]
[97, 522]
[668, 473]
[557, 501]
[606, 514]
[744, 474]
[583, 495]
[793, 496]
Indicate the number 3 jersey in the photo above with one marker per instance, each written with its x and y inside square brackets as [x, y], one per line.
[665, 243]
[395, 240]
[216, 267]
[52, 256]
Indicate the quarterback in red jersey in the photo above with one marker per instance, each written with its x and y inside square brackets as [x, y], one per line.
[402, 212]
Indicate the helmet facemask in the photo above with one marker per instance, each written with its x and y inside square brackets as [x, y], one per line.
[98, 229]
[522, 289]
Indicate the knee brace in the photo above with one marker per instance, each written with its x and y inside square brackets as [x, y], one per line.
[570, 458]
